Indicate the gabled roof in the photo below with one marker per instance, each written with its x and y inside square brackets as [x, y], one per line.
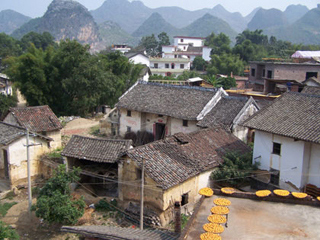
[294, 115]
[117, 233]
[189, 37]
[311, 90]
[96, 149]
[225, 111]
[9, 133]
[133, 54]
[182, 102]
[37, 119]
[306, 54]
[182, 156]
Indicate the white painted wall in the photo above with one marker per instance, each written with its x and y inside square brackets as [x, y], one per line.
[289, 163]
[314, 168]
[125, 121]
[140, 59]
[186, 40]
[206, 53]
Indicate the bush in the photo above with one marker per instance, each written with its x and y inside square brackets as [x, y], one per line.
[55, 203]
[5, 207]
[105, 206]
[7, 233]
[235, 169]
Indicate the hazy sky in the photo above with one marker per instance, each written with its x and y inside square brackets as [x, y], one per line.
[36, 8]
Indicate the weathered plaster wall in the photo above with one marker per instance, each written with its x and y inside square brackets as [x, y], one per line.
[56, 136]
[11, 120]
[133, 121]
[177, 126]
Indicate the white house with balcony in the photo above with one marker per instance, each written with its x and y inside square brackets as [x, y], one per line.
[287, 140]
[187, 47]
[169, 66]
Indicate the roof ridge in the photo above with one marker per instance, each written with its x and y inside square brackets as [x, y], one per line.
[111, 140]
[179, 86]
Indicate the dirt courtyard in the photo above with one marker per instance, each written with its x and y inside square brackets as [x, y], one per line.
[79, 126]
[249, 219]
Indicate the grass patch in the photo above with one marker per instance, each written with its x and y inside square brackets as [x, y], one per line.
[5, 207]
[95, 130]
[56, 153]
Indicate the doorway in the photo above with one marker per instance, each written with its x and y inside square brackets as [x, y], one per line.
[160, 131]
[6, 164]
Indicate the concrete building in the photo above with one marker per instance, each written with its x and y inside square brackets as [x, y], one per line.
[120, 47]
[5, 85]
[13, 153]
[287, 140]
[266, 76]
[39, 119]
[169, 66]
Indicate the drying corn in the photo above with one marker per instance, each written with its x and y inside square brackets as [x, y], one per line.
[215, 218]
[228, 190]
[282, 193]
[220, 210]
[263, 193]
[299, 194]
[210, 236]
[213, 227]
[222, 202]
[208, 192]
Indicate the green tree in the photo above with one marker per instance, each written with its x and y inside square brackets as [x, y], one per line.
[39, 40]
[163, 41]
[235, 169]
[55, 203]
[9, 46]
[226, 83]
[6, 102]
[225, 63]
[199, 64]
[219, 43]
[150, 43]
[7, 233]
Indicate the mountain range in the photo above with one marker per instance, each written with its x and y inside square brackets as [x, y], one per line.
[121, 21]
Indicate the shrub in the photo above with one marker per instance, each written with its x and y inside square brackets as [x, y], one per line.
[7, 233]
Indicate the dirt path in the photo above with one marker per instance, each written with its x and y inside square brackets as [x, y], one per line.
[80, 126]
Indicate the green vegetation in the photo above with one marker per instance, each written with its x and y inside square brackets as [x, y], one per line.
[104, 206]
[234, 170]
[5, 207]
[184, 220]
[7, 233]
[6, 102]
[55, 203]
[153, 45]
[71, 80]
[56, 153]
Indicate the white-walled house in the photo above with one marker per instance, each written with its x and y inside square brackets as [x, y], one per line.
[287, 139]
[13, 153]
[169, 66]
[138, 58]
[39, 119]
[163, 109]
[187, 47]
[5, 85]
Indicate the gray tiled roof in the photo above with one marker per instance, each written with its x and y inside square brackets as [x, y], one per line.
[117, 233]
[10, 133]
[311, 90]
[224, 112]
[183, 102]
[179, 157]
[294, 115]
[37, 119]
[96, 149]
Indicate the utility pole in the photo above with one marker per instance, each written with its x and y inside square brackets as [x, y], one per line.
[29, 173]
[29, 169]
[142, 195]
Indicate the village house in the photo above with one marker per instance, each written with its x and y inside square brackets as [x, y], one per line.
[98, 159]
[164, 110]
[230, 112]
[187, 47]
[138, 58]
[176, 168]
[39, 119]
[13, 155]
[277, 77]
[169, 66]
[287, 140]
[120, 47]
[5, 85]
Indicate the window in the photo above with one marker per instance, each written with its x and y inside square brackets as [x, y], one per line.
[155, 65]
[311, 74]
[129, 113]
[139, 173]
[160, 115]
[182, 66]
[269, 75]
[184, 199]
[167, 65]
[253, 72]
[263, 72]
[128, 129]
[181, 40]
[185, 123]
[276, 148]
[172, 65]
